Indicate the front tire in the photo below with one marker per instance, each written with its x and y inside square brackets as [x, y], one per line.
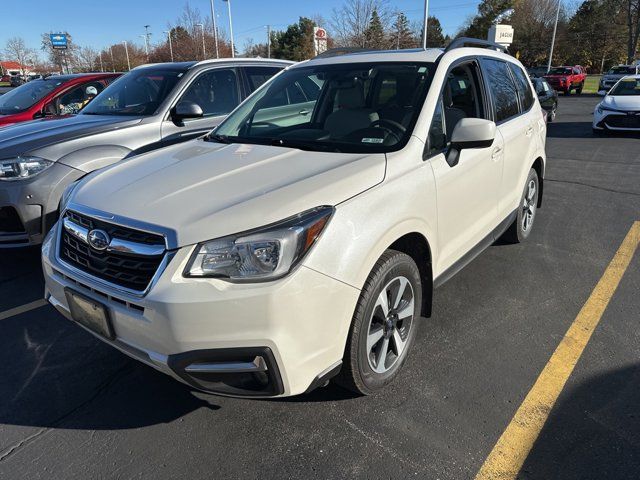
[553, 113]
[384, 324]
[521, 227]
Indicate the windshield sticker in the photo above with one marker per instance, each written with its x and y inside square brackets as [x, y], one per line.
[372, 140]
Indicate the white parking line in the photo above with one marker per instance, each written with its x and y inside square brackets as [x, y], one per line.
[23, 308]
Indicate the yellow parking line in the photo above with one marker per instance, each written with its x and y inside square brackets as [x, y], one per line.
[509, 454]
[23, 308]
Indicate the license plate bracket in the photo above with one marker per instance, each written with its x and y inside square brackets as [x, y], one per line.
[89, 313]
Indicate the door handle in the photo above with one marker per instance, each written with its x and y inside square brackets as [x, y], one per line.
[496, 153]
[303, 112]
[529, 131]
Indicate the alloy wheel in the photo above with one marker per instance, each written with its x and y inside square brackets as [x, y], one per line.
[529, 204]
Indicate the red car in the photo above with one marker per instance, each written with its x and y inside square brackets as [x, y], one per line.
[52, 96]
[564, 79]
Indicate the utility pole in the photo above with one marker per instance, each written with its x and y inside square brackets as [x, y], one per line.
[553, 38]
[126, 50]
[426, 21]
[146, 40]
[233, 53]
[170, 45]
[268, 41]
[204, 49]
[113, 64]
[101, 67]
[215, 28]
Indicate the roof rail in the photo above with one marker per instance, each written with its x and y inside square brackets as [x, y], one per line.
[473, 42]
[335, 52]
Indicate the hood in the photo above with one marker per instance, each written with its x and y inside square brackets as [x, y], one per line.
[202, 190]
[625, 103]
[28, 136]
[614, 76]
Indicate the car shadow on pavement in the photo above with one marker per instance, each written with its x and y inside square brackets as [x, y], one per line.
[582, 130]
[56, 375]
[592, 433]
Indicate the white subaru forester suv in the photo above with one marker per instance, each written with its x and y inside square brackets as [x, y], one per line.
[303, 238]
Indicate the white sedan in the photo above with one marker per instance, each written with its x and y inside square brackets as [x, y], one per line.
[620, 108]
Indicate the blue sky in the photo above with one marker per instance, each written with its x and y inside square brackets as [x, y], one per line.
[103, 22]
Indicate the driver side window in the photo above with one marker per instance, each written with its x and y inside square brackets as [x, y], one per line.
[216, 92]
[459, 99]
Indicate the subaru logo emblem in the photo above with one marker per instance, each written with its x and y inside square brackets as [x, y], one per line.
[98, 239]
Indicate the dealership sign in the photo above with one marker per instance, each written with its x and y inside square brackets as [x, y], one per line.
[320, 40]
[58, 41]
[501, 34]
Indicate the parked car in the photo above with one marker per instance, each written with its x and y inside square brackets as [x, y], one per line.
[153, 106]
[537, 71]
[547, 96]
[16, 80]
[303, 237]
[565, 79]
[5, 80]
[610, 78]
[47, 97]
[620, 108]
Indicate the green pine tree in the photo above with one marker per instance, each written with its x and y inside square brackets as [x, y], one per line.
[374, 37]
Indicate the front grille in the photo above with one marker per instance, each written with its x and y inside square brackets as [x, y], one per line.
[127, 270]
[10, 221]
[623, 121]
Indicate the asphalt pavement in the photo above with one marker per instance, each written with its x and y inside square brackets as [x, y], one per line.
[72, 407]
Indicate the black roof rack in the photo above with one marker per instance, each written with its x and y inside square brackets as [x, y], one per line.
[473, 42]
[335, 52]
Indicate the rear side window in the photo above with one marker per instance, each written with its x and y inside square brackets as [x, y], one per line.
[259, 75]
[524, 89]
[503, 90]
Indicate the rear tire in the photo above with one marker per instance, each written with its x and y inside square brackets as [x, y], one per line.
[552, 114]
[521, 227]
[579, 89]
[384, 324]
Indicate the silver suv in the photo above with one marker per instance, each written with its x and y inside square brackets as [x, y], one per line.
[152, 106]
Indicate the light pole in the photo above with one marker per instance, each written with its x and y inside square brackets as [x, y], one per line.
[170, 45]
[215, 29]
[230, 27]
[146, 49]
[146, 40]
[113, 64]
[426, 22]
[101, 67]
[204, 49]
[268, 41]
[126, 50]
[553, 38]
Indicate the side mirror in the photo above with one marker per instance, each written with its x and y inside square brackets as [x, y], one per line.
[186, 109]
[470, 133]
[602, 93]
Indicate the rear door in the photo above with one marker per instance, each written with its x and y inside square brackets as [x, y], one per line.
[217, 91]
[513, 102]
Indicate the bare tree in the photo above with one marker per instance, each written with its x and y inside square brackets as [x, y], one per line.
[85, 59]
[16, 49]
[350, 22]
[633, 28]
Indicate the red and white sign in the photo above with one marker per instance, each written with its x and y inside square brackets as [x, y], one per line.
[320, 40]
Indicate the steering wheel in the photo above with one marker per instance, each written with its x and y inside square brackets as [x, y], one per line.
[394, 128]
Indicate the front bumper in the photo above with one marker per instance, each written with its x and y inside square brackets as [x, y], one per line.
[616, 121]
[294, 329]
[28, 207]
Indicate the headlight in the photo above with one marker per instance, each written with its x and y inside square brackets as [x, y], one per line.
[264, 254]
[601, 109]
[22, 167]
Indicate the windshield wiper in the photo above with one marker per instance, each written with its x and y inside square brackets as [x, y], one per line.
[302, 145]
[217, 138]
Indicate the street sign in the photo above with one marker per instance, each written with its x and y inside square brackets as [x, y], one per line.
[58, 41]
[320, 40]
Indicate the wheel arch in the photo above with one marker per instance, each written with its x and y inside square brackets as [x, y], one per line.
[538, 166]
[417, 247]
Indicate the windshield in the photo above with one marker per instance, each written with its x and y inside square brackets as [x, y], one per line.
[25, 96]
[626, 87]
[139, 92]
[621, 71]
[357, 107]
[560, 71]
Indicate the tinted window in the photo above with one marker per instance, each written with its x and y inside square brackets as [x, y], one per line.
[437, 136]
[216, 92]
[21, 98]
[626, 87]
[524, 89]
[560, 71]
[259, 75]
[139, 92]
[503, 90]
